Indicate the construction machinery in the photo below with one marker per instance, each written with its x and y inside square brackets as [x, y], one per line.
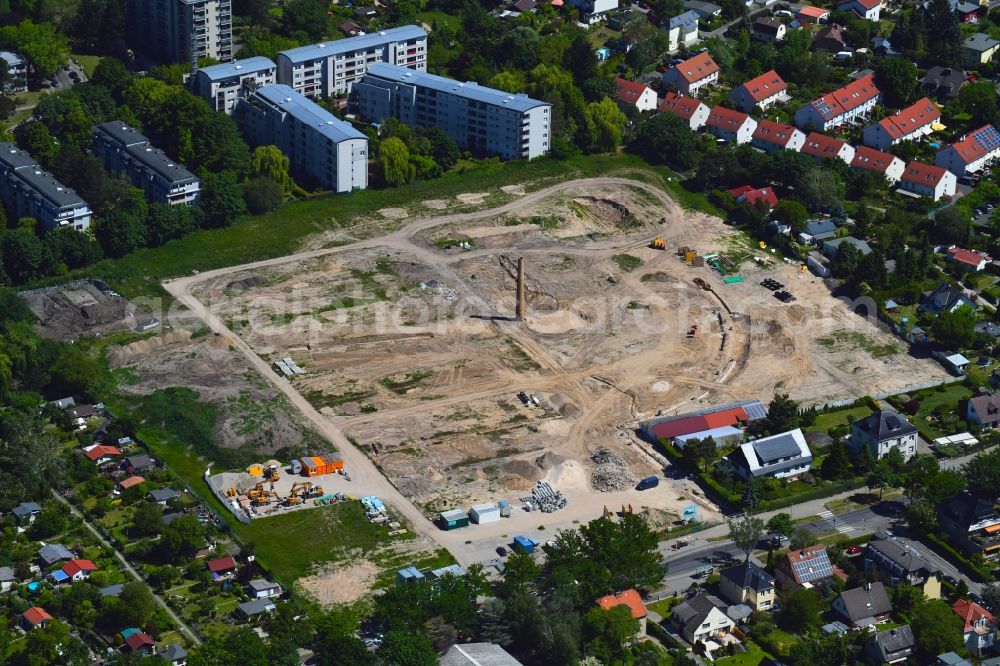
[658, 244]
[271, 473]
[302, 491]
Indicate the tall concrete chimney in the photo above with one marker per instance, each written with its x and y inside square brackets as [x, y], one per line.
[521, 300]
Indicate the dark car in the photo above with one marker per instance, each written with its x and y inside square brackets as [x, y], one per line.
[950, 580]
[501, 551]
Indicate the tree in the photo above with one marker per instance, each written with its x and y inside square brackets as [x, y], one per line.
[579, 59]
[610, 631]
[492, 625]
[77, 373]
[897, 79]
[880, 478]
[802, 538]
[395, 158]
[950, 225]
[837, 464]
[955, 329]
[36, 139]
[262, 195]
[45, 49]
[819, 189]
[221, 199]
[982, 474]
[978, 100]
[407, 649]
[519, 48]
[666, 138]
[269, 161]
[148, 519]
[746, 534]
[782, 416]
[801, 610]
[120, 233]
[780, 523]
[307, 17]
[608, 125]
[443, 148]
[183, 538]
[165, 222]
[936, 628]
[519, 572]
[698, 452]
[751, 494]
[791, 212]
[921, 516]
[51, 521]
[342, 650]
[906, 597]
[71, 248]
[113, 75]
[24, 255]
[991, 596]
[815, 650]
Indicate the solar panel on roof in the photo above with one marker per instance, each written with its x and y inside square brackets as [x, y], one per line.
[823, 108]
[814, 569]
[988, 138]
[755, 410]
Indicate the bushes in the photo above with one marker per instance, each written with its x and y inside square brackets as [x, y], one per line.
[979, 574]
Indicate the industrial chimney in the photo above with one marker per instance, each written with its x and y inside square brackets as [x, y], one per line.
[521, 301]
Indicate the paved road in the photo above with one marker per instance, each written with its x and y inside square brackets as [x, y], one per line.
[130, 569]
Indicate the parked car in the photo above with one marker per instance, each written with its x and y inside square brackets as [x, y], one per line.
[501, 551]
[854, 550]
[951, 580]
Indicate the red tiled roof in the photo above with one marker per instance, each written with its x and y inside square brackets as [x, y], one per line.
[923, 174]
[98, 451]
[777, 133]
[910, 119]
[842, 100]
[681, 106]
[821, 145]
[867, 4]
[628, 598]
[726, 119]
[871, 159]
[36, 615]
[131, 482]
[813, 12]
[968, 148]
[686, 426]
[752, 195]
[73, 567]
[139, 640]
[971, 612]
[630, 91]
[221, 564]
[697, 67]
[765, 85]
[967, 257]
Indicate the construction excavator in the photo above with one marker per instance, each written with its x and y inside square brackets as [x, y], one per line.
[258, 496]
[303, 491]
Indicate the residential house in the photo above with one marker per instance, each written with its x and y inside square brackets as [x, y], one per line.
[809, 567]
[971, 523]
[163, 495]
[809, 15]
[101, 454]
[979, 49]
[817, 231]
[781, 456]
[7, 578]
[525, 7]
[909, 124]
[35, 617]
[968, 12]
[592, 10]
[942, 82]
[732, 126]
[51, 553]
[971, 153]
[688, 109]
[747, 583]
[682, 30]
[831, 38]
[882, 47]
[351, 29]
[254, 609]
[139, 643]
[983, 411]
[703, 421]
[17, 73]
[822, 147]
[883, 431]
[705, 10]
[753, 195]
[137, 463]
[890, 647]
[631, 600]
[928, 180]
[887, 164]
[690, 76]
[946, 298]
[979, 626]
[893, 561]
[636, 95]
[26, 512]
[699, 620]
[478, 654]
[222, 568]
[864, 607]
[847, 105]
[173, 654]
[772, 137]
[259, 588]
[866, 9]
[130, 482]
[972, 260]
[76, 570]
[767, 29]
[760, 92]
[831, 247]
[952, 659]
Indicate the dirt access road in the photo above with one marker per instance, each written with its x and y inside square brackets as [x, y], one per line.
[367, 479]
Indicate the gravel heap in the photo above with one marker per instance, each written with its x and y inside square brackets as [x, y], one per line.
[612, 472]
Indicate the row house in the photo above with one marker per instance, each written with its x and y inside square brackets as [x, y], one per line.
[908, 124]
[822, 147]
[690, 76]
[928, 180]
[762, 92]
[731, 126]
[688, 109]
[772, 137]
[846, 105]
[887, 164]
[971, 153]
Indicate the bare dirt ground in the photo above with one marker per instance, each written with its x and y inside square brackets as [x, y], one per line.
[79, 308]
[340, 584]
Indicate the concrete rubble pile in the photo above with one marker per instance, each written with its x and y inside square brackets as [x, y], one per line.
[545, 498]
[612, 472]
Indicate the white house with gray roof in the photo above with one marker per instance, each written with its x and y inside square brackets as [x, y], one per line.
[480, 119]
[779, 456]
[319, 146]
[883, 431]
[122, 149]
[682, 30]
[222, 85]
[332, 68]
[17, 72]
[478, 654]
[27, 190]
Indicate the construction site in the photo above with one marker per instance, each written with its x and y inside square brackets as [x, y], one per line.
[84, 307]
[473, 358]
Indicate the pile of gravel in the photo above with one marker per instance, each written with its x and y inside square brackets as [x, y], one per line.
[612, 472]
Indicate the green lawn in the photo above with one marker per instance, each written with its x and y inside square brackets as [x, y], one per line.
[838, 417]
[664, 606]
[89, 63]
[947, 399]
[753, 656]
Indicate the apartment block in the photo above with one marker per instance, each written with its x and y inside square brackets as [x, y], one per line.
[17, 72]
[479, 119]
[122, 149]
[320, 147]
[332, 68]
[29, 191]
[181, 30]
[222, 85]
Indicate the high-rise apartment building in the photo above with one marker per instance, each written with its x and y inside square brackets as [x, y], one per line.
[182, 30]
[222, 85]
[29, 191]
[122, 149]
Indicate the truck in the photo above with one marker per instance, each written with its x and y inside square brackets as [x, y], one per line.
[648, 482]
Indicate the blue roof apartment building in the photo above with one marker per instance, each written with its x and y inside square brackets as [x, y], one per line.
[319, 146]
[480, 119]
[29, 191]
[222, 85]
[331, 68]
[122, 149]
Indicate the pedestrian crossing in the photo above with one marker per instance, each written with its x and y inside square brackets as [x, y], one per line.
[831, 520]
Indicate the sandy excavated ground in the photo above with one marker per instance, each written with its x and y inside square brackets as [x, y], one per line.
[340, 584]
[412, 350]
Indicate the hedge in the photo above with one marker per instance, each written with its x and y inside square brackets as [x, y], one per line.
[945, 549]
[826, 490]
[659, 633]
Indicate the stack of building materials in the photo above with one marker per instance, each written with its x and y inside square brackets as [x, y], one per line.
[545, 498]
[612, 472]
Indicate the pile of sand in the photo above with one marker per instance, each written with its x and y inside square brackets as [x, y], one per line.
[569, 475]
[515, 482]
[549, 460]
[523, 468]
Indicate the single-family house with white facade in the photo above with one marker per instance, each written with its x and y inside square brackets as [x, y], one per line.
[682, 30]
[635, 94]
[780, 456]
[698, 619]
[767, 29]
[761, 91]
[693, 74]
[866, 9]
[883, 431]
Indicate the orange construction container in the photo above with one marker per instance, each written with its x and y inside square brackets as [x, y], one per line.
[320, 465]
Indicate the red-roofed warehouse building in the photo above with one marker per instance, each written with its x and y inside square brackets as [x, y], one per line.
[971, 153]
[845, 105]
[729, 125]
[928, 180]
[772, 137]
[682, 425]
[869, 159]
[909, 124]
[822, 147]
[693, 74]
[631, 600]
[688, 109]
[762, 91]
[635, 94]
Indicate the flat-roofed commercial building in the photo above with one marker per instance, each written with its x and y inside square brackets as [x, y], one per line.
[28, 190]
[122, 149]
[222, 85]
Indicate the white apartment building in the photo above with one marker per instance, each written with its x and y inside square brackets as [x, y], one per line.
[319, 146]
[17, 72]
[28, 191]
[122, 149]
[182, 30]
[480, 119]
[222, 85]
[332, 68]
